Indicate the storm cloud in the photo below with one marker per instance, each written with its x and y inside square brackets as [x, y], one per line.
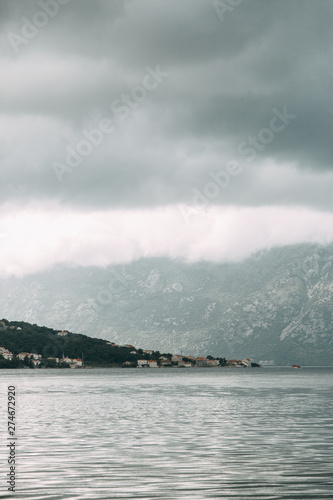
[194, 108]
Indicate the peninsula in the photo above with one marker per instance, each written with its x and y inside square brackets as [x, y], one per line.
[23, 345]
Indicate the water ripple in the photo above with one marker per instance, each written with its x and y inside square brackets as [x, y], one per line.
[117, 434]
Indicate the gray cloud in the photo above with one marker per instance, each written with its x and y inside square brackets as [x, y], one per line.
[225, 79]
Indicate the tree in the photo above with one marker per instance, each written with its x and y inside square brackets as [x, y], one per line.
[50, 363]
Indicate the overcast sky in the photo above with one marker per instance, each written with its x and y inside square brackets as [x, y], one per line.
[184, 128]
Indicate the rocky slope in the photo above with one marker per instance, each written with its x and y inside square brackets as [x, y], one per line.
[275, 306]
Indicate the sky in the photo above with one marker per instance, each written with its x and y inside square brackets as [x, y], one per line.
[192, 129]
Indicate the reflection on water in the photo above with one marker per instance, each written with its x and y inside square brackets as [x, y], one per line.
[173, 434]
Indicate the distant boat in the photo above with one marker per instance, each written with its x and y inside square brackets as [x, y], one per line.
[296, 366]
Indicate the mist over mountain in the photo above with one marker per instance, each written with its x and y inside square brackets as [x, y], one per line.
[275, 306]
[189, 130]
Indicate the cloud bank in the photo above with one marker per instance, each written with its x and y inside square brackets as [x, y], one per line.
[34, 240]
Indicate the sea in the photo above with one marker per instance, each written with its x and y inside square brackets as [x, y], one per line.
[196, 433]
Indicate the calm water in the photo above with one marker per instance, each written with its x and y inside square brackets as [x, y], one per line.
[172, 434]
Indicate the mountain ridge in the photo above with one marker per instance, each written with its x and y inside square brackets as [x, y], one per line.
[275, 306]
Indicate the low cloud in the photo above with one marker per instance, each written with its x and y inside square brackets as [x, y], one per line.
[43, 236]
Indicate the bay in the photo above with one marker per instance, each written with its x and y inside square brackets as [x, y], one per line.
[171, 433]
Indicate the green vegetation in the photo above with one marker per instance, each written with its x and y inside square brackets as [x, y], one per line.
[5, 363]
[47, 342]
[19, 336]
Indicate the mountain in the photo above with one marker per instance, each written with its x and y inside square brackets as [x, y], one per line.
[275, 306]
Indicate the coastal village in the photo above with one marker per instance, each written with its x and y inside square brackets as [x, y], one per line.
[33, 359]
[36, 359]
[180, 361]
[138, 358]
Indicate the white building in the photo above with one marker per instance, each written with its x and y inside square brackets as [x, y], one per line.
[66, 360]
[213, 362]
[201, 361]
[164, 361]
[72, 362]
[142, 363]
[147, 351]
[77, 362]
[152, 363]
[62, 334]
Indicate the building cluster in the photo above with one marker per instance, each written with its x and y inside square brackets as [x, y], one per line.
[246, 363]
[203, 361]
[4, 326]
[36, 359]
[72, 362]
[180, 361]
[5, 353]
